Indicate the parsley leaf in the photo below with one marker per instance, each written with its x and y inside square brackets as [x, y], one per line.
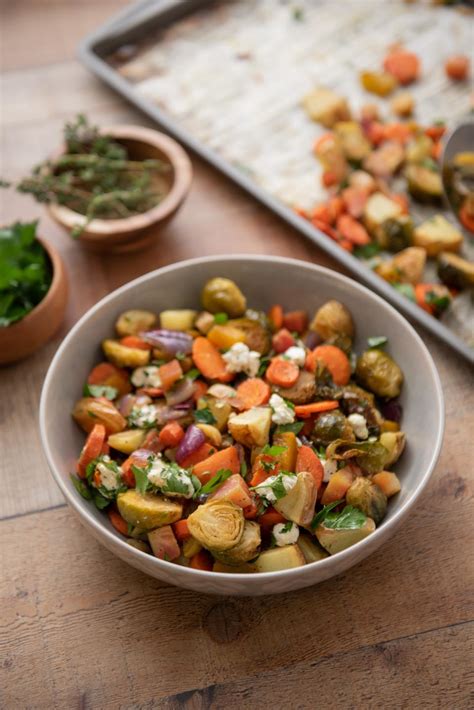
[276, 486]
[294, 427]
[273, 450]
[180, 356]
[287, 527]
[243, 468]
[192, 374]
[323, 513]
[99, 501]
[216, 481]
[349, 519]
[377, 341]
[406, 290]
[221, 318]
[100, 391]
[80, 487]
[204, 416]
[264, 363]
[438, 302]
[367, 251]
[141, 478]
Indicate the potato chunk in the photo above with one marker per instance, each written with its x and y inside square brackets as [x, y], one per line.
[406, 267]
[378, 209]
[124, 356]
[182, 319]
[298, 505]
[279, 558]
[134, 321]
[252, 427]
[326, 107]
[127, 441]
[437, 235]
[148, 511]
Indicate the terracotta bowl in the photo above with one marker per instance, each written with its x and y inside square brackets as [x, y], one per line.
[264, 280]
[134, 233]
[23, 338]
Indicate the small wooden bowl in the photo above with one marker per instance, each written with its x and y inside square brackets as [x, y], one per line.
[23, 338]
[134, 233]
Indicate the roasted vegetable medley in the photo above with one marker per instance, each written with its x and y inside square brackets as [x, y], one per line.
[233, 440]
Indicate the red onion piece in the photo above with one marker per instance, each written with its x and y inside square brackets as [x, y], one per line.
[392, 410]
[312, 339]
[171, 341]
[182, 392]
[192, 440]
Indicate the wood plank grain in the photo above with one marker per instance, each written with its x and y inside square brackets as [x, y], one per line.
[69, 601]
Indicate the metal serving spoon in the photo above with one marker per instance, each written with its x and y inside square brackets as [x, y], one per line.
[461, 140]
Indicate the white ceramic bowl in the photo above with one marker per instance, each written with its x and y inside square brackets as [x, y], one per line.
[264, 280]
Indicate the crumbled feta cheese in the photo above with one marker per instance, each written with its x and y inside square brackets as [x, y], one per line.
[109, 478]
[296, 354]
[170, 478]
[282, 412]
[359, 425]
[239, 358]
[143, 416]
[265, 489]
[147, 376]
[285, 534]
[330, 467]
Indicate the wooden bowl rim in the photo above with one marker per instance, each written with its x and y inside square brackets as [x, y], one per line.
[97, 229]
[40, 310]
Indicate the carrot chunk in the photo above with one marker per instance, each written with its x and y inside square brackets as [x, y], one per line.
[201, 560]
[133, 341]
[303, 411]
[403, 65]
[352, 230]
[170, 373]
[275, 316]
[227, 458]
[91, 449]
[334, 359]
[117, 521]
[171, 434]
[283, 373]
[253, 393]
[296, 321]
[181, 530]
[306, 460]
[209, 361]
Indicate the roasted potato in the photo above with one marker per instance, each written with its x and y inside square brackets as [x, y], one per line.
[454, 271]
[299, 503]
[332, 319]
[181, 319]
[437, 235]
[127, 441]
[134, 321]
[406, 267]
[123, 356]
[279, 558]
[252, 427]
[326, 107]
[336, 540]
[89, 411]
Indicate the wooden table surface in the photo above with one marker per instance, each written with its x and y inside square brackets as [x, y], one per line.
[79, 628]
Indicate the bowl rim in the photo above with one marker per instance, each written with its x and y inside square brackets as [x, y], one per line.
[39, 311]
[97, 228]
[336, 561]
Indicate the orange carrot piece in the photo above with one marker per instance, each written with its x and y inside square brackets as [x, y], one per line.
[336, 207]
[209, 361]
[200, 389]
[117, 521]
[403, 65]
[202, 560]
[335, 360]
[275, 316]
[181, 530]
[296, 321]
[325, 228]
[204, 451]
[306, 460]
[152, 442]
[270, 518]
[283, 373]
[467, 219]
[322, 213]
[153, 392]
[282, 340]
[253, 393]
[437, 151]
[111, 376]
[352, 230]
[171, 434]
[226, 458]
[355, 199]
[170, 373]
[375, 132]
[329, 178]
[398, 132]
[435, 132]
[133, 341]
[401, 200]
[91, 449]
[250, 511]
[457, 67]
[303, 411]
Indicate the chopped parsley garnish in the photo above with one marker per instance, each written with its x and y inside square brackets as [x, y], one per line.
[276, 486]
[377, 341]
[323, 513]
[99, 501]
[80, 487]
[367, 251]
[100, 391]
[204, 416]
[192, 374]
[221, 318]
[215, 482]
[141, 477]
[273, 450]
[294, 427]
[349, 519]
[287, 527]
[264, 363]
[406, 290]
[440, 303]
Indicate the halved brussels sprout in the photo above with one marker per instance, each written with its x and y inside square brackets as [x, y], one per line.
[256, 336]
[333, 319]
[134, 321]
[221, 295]
[370, 455]
[424, 184]
[246, 549]
[455, 271]
[217, 525]
[377, 372]
[330, 426]
[303, 391]
[146, 510]
[396, 234]
[394, 442]
[367, 497]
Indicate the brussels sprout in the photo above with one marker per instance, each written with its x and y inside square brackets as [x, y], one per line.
[370, 455]
[378, 209]
[123, 356]
[336, 540]
[333, 320]
[311, 550]
[148, 511]
[256, 336]
[377, 372]
[221, 295]
[279, 558]
[455, 271]
[303, 391]
[396, 234]
[134, 321]
[89, 411]
[298, 505]
[368, 497]
[217, 525]
[330, 426]
[424, 184]
[246, 549]
[394, 442]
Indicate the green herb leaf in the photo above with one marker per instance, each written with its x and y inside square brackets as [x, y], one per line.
[243, 468]
[440, 303]
[287, 527]
[80, 487]
[277, 486]
[100, 391]
[323, 513]
[204, 416]
[406, 290]
[99, 501]
[180, 356]
[264, 363]
[377, 341]
[141, 478]
[197, 484]
[349, 519]
[367, 251]
[216, 481]
[192, 374]
[221, 318]
[273, 450]
[294, 427]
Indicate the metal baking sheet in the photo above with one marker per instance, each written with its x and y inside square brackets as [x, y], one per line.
[162, 56]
